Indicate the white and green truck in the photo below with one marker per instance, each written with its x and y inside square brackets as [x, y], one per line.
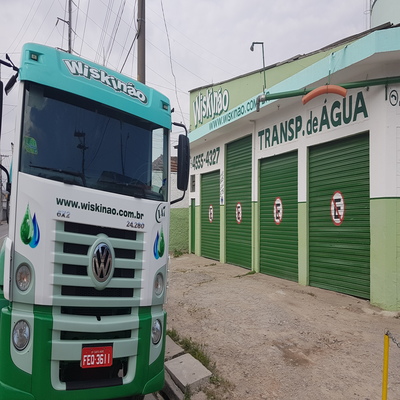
[83, 270]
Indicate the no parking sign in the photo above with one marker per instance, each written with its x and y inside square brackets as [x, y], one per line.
[278, 210]
[239, 214]
[337, 208]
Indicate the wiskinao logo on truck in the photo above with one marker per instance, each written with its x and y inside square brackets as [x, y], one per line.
[78, 68]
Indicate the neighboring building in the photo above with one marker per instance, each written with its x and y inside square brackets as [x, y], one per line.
[179, 222]
[308, 188]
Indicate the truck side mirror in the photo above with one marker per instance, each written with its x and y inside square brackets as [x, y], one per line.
[10, 84]
[1, 104]
[183, 162]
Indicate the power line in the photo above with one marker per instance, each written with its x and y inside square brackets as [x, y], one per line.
[103, 33]
[133, 42]
[170, 61]
[199, 54]
[43, 20]
[24, 25]
[115, 30]
[129, 31]
[84, 28]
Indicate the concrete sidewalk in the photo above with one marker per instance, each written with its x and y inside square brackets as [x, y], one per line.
[182, 372]
[270, 338]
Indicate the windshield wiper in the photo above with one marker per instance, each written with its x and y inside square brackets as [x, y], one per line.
[63, 171]
[132, 189]
[122, 184]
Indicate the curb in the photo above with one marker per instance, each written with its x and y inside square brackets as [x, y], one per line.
[182, 372]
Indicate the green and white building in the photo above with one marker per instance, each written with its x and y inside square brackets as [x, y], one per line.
[307, 188]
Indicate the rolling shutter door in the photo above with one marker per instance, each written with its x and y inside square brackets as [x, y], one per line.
[210, 215]
[339, 216]
[238, 202]
[278, 216]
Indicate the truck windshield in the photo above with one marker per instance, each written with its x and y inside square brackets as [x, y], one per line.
[77, 141]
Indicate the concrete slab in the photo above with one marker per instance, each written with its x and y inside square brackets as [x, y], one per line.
[150, 397]
[171, 390]
[172, 350]
[186, 371]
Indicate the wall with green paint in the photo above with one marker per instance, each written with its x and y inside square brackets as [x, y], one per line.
[302, 226]
[179, 230]
[287, 124]
[385, 253]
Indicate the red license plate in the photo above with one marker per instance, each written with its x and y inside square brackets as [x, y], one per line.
[95, 357]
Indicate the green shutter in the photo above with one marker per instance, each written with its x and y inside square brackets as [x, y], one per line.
[340, 240]
[210, 231]
[278, 231]
[238, 197]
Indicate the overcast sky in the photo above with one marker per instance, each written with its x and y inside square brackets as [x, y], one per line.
[190, 43]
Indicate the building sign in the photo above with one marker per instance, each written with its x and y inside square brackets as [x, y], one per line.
[221, 188]
[211, 157]
[394, 98]
[209, 105]
[342, 112]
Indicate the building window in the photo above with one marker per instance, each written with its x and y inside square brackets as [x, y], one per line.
[192, 183]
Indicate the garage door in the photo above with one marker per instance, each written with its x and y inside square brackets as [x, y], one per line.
[339, 226]
[278, 216]
[238, 202]
[210, 215]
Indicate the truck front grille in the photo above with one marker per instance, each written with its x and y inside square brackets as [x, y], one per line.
[72, 284]
[84, 315]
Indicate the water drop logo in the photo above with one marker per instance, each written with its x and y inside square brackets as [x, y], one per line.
[159, 245]
[29, 231]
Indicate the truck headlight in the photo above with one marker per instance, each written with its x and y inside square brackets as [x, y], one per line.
[21, 335]
[156, 331]
[23, 277]
[159, 284]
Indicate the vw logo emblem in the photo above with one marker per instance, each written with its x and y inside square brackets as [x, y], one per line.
[102, 262]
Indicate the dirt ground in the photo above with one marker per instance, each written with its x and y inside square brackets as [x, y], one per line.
[275, 339]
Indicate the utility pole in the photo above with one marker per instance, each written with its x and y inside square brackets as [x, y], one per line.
[69, 26]
[69, 23]
[141, 36]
